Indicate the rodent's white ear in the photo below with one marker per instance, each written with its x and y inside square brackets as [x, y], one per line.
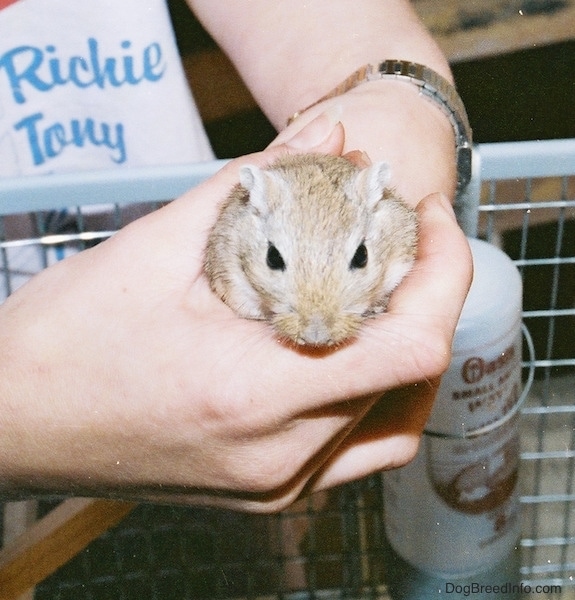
[254, 180]
[249, 176]
[372, 180]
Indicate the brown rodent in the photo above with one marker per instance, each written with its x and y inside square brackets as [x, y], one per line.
[313, 244]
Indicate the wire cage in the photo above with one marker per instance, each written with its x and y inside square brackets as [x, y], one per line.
[331, 545]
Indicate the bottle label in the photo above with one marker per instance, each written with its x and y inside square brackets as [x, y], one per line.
[454, 510]
[479, 389]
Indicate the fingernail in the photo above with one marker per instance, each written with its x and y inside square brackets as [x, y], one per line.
[316, 131]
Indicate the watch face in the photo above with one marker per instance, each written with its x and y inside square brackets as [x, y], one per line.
[464, 162]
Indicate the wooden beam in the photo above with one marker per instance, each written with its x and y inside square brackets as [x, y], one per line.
[469, 31]
[54, 540]
[18, 517]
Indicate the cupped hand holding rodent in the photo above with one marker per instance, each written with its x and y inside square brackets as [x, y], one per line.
[124, 375]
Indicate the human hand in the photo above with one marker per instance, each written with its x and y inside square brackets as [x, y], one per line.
[124, 376]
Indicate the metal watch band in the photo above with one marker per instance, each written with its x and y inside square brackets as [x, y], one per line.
[431, 85]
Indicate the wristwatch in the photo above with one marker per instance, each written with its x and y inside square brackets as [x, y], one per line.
[433, 87]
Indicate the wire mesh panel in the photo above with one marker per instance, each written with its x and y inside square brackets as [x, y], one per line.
[331, 545]
[528, 208]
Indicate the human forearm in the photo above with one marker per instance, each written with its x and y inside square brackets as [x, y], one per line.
[291, 54]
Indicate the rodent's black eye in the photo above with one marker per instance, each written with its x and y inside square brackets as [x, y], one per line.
[274, 259]
[359, 259]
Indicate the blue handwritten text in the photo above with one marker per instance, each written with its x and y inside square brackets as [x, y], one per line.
[42, 70]
[49, 141]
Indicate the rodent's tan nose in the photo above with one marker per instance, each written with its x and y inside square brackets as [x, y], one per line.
[317, 332]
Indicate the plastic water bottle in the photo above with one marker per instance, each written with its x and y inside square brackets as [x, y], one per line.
[453, 512]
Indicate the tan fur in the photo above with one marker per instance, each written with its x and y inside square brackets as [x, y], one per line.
[316, 210]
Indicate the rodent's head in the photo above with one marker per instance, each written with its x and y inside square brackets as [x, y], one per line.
[328, 244]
